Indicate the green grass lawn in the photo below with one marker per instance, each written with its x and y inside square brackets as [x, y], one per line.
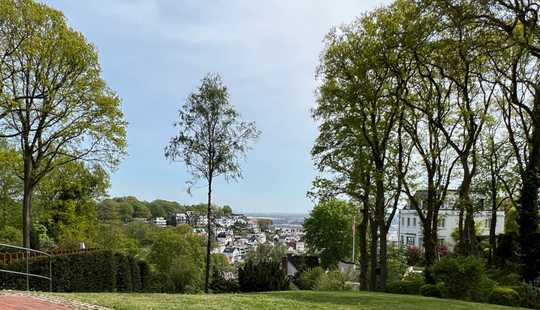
[296, 300]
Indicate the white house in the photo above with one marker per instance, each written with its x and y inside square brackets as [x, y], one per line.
[410, 226]
[159, 221]
[232, 254]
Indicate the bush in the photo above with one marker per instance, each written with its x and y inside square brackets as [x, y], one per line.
[96, 271]
[308, 279]
[219, 284]
[530, 295]
[411, 287]
[262, 276]
[504, 296]
[332, 281]
[431, 290]
[414, 256]
[483, 289]
[459, 275]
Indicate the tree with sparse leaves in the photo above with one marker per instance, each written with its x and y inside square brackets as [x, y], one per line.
[210, 142]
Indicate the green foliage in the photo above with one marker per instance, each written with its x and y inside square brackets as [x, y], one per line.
[97, 271]
[332, 281]
[431, 290]
[262, 276]
[267, 253]
[308, 279]
[60, 100]
[178, 255]
[219, 284]
[504, 296]
[411, 287]
[328, 231]
[123, 273]
[459, 275]
[10, 235]
[530, 294]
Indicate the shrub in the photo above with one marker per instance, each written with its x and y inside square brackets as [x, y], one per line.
[431, 290]
[97, 271]
[504, 296]
[219, 284]
[262, 276]
[483, 289]
[332, 281]
[414, 256]
[530, 295]
[459, 275]
[308, 279]
[411, 287]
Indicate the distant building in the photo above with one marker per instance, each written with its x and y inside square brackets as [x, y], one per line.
[410, 227]
[159, 221]
[233, 254]
[176, 219]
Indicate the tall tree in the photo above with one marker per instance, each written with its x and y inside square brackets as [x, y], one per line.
[210, 142]
[360, 92]
[57, 107]
[328, 231]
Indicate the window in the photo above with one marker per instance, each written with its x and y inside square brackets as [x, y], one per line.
[402, 239]
[410, 240]
[408, 221]
[402, 220]
[414, 221]
[487, 223]
[441, 222]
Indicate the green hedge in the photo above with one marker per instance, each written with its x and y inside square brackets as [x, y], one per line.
[411, 287]
[96, 271]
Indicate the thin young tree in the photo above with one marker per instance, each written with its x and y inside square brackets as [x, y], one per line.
[54, 105]
[211, 141]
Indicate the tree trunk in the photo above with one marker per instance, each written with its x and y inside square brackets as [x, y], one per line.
[493, 224]
[381, 223]
[373, 252]
[383, 256]
[362, 242]
[469, 244]
[528, 212]
[209, 238]
[28, 191]
[528, 227]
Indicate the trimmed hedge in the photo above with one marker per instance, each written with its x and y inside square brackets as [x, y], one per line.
[97, 271]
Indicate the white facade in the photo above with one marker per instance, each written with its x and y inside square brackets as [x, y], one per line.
[159, 221]
[410, 225]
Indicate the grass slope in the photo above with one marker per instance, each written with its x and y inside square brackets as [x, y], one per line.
[296, 300]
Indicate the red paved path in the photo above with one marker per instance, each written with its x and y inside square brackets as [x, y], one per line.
[27, 303]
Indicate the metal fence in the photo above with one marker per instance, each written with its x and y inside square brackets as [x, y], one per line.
[26, 256]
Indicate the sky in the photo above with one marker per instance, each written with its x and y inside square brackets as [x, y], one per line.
[154, 53]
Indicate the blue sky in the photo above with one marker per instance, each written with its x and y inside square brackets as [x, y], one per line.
[154, 53]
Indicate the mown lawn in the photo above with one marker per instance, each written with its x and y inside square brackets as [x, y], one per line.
[296, 300]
